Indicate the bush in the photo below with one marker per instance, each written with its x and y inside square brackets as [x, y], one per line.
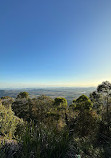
[8, 122]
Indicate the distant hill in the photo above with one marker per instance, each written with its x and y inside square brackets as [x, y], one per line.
[68, 93]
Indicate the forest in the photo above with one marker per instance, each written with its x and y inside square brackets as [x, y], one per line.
[45, 127]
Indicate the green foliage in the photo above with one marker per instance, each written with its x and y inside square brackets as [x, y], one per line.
[104, 90]
[86, 123]
[41, 107]
[7, 101]
[60, 102]
[42, 142]
[21, 108]
[83, 103]
[104, 87]
[51, 129]
[33, 109]
[8, 122]
[23, 95]
[97, 100]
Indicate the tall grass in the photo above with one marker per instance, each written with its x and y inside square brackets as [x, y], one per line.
[43, 142]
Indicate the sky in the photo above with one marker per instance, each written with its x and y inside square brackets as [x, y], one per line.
[49, 43]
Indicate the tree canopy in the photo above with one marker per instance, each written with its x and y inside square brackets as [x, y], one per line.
[23, 95]
[82, 103]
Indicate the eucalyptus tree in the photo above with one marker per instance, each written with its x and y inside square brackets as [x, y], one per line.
[60, 102]
[105, 90]
[85, 119]
[101, 99]
[23, 95]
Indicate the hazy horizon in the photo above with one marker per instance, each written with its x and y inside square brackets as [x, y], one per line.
[23, 86]
[44, 88]
[59, 85]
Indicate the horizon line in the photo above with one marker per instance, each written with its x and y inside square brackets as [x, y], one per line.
[48, 87]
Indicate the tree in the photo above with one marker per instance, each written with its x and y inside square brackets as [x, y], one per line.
[98, 102]
[83, 103]
[105, 87]
[41, 107]
[60, 102]
[23, 95]
[84, 122]
[8, 121]
[33, 109]
[105, 90]
[7, 101]
[60, 108]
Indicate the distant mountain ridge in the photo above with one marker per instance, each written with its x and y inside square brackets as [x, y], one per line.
[69, 93]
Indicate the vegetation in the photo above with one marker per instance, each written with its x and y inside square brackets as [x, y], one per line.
[43, 127]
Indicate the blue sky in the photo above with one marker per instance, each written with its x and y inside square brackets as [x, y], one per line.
[54, 43]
